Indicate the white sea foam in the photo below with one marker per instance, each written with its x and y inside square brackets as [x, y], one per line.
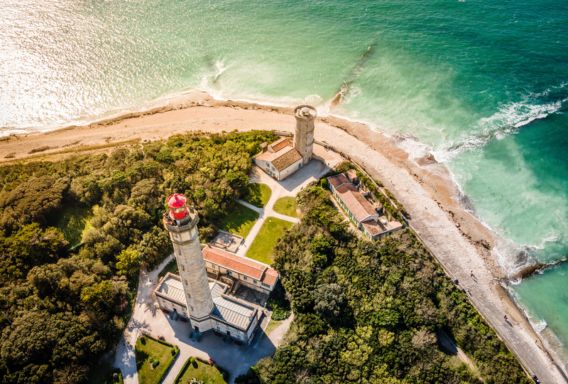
[507, 120]
[539, 325]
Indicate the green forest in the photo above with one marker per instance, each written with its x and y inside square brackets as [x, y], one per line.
[372, 312]
[75, 232]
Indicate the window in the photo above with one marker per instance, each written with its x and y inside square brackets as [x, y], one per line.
[185, 281]
[182, 267]
[229, 273]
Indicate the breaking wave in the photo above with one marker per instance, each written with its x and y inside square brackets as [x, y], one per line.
[509, 119]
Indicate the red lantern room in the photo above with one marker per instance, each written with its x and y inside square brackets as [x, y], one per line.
[177, 206]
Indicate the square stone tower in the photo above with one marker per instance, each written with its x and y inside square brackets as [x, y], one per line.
[304, 135]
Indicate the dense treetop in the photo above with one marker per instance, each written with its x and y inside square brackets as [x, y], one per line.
[372, 312]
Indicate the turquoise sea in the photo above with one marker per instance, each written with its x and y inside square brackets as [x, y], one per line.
[484, 84]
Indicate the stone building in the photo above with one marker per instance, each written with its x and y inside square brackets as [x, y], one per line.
[241, 270]
[366, 215]
[285, 156]
[192, 294]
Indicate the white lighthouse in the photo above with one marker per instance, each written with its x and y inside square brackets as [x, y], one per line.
[181, 223]
[206, 301]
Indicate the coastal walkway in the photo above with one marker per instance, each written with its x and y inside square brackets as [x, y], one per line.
[458, 256]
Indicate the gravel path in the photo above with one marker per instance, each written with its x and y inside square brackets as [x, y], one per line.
[456, 254]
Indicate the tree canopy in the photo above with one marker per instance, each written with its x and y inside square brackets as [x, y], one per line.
[372, 312]
[62, 308]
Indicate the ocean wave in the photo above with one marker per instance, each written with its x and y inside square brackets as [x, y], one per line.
[539, 325]
[508, 119]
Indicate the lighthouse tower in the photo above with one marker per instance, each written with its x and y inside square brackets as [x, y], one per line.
[181, 223]
[304, 135]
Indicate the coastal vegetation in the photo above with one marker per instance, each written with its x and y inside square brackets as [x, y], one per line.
[62, 308]
[262, 247]
[287, 206]
[258, 194]
[374, 312]
[153, 359]
[364, 311]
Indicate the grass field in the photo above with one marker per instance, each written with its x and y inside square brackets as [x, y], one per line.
[263, 245]
[258, 194]
[239, 221]
[287, 206]
[147, 351]
[201, 371]
[72, 222]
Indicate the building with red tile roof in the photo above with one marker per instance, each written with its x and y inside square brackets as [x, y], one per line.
[362, 212]
[248, 272]
[283, 157]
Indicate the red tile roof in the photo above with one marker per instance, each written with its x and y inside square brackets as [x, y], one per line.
[281, 144]
[337, 180]
[358, 205]
[239, 264]
[287, 159]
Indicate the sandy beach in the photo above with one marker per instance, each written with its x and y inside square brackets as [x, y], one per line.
[462, 244]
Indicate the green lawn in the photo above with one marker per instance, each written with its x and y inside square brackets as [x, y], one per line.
[239, 221]
[147, 351]
[258, 194]
[199, 370]
[286, 206]
[73, 222]
[262, 246]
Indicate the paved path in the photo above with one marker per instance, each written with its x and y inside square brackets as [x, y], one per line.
[288, 187]
[236, 359]
[456, 254]
[125, 358]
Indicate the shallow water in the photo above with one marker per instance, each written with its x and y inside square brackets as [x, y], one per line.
[484, 84]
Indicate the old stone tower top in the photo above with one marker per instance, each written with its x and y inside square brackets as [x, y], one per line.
[304, 135]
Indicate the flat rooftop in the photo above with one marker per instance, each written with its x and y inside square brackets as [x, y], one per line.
[227, 309]
[171, 288]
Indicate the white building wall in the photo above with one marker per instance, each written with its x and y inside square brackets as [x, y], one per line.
[170, 306]
[291, 169]
[266, 167]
